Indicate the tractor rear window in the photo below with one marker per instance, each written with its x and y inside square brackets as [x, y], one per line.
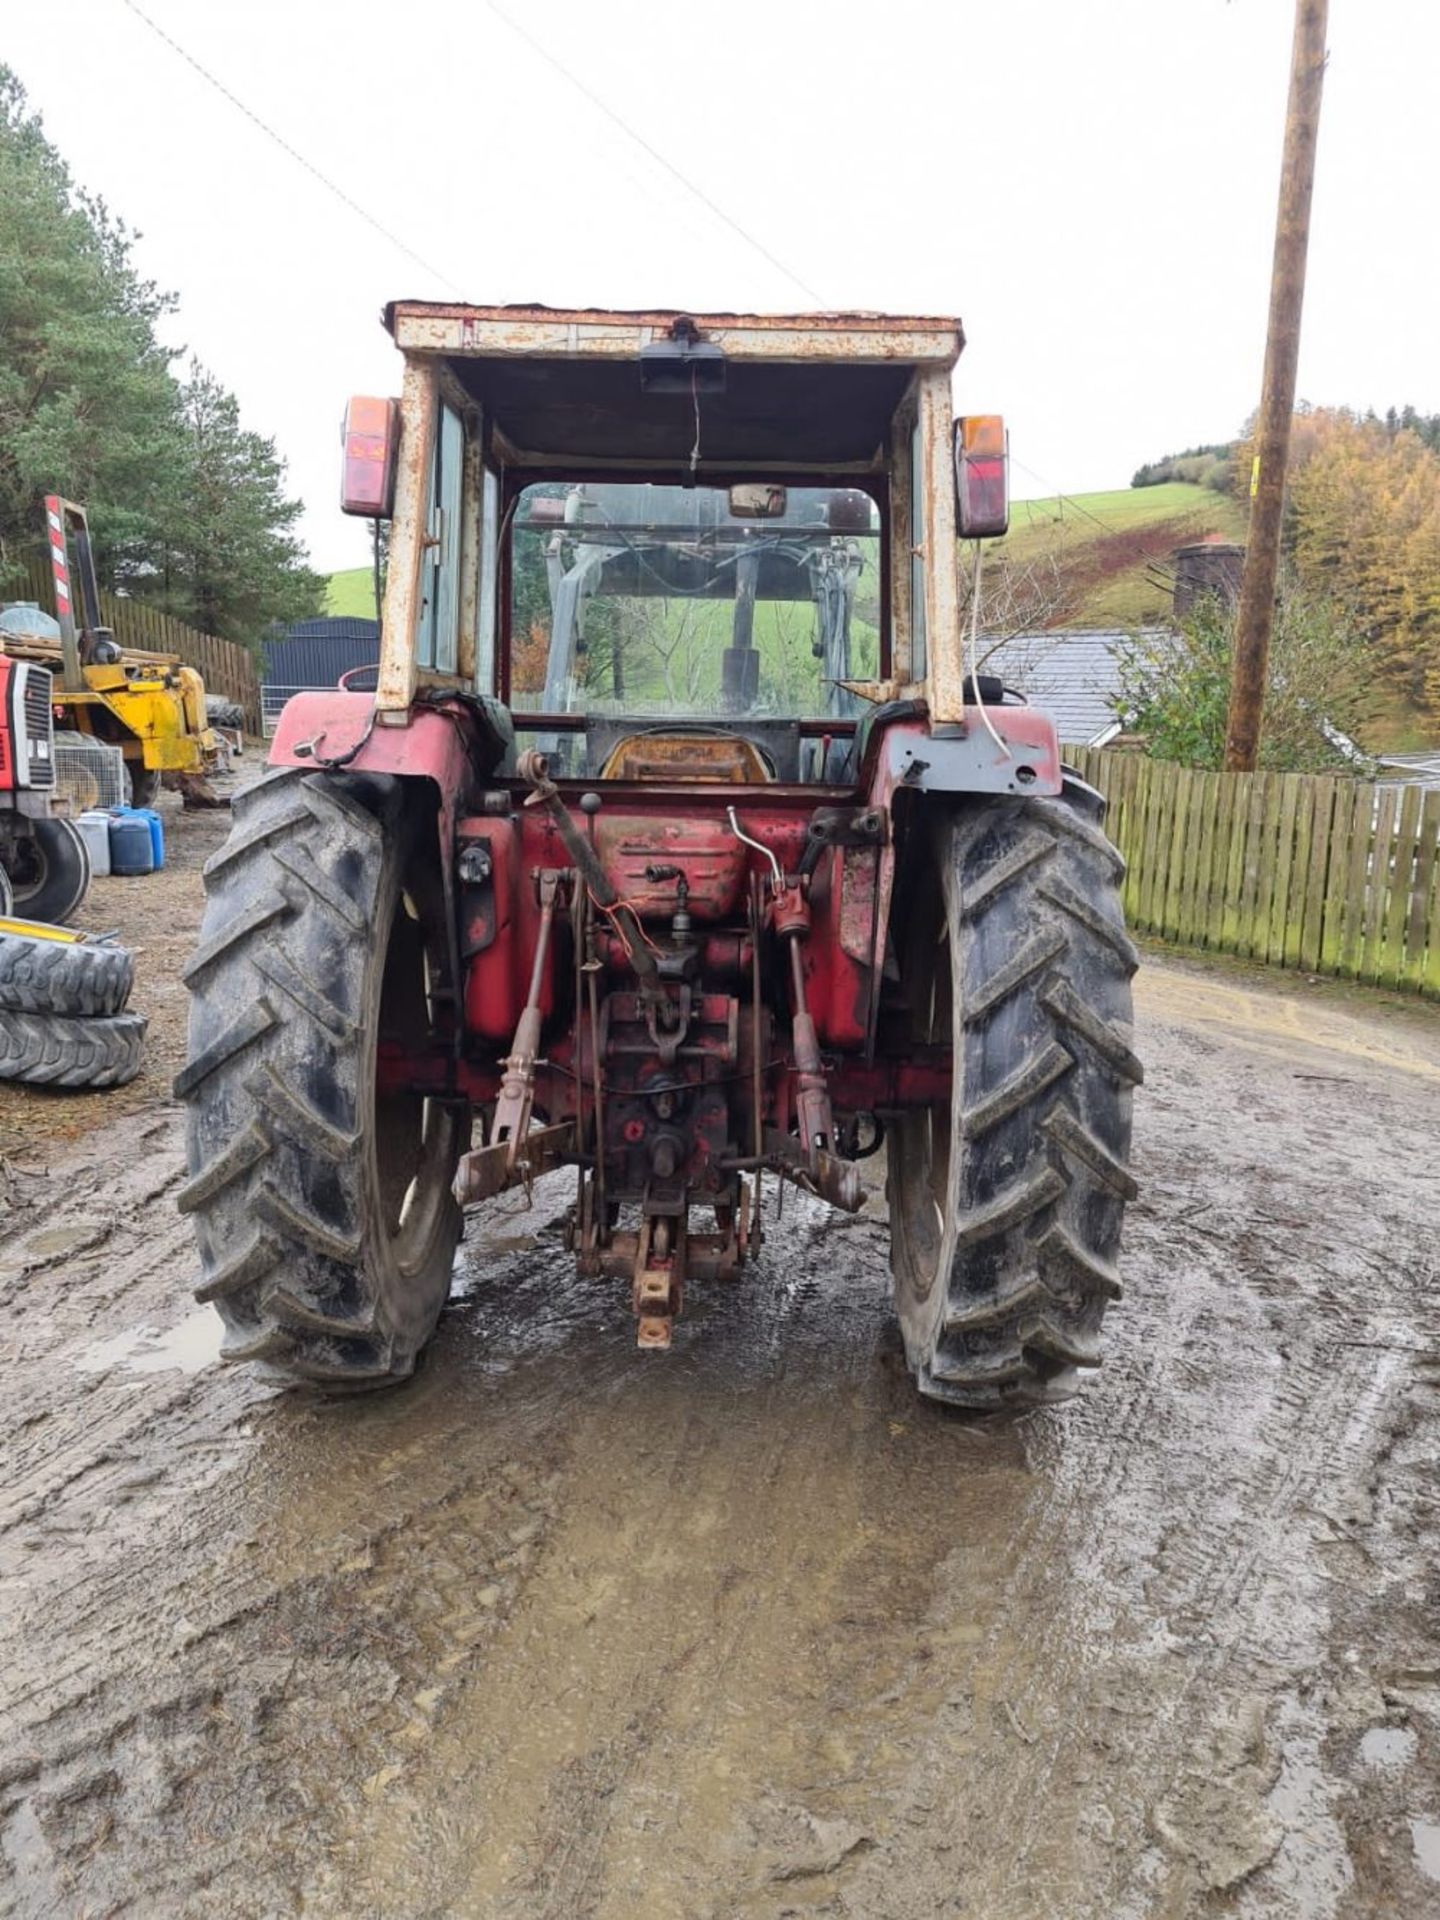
[656, 600]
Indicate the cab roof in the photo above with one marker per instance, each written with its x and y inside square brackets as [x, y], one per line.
[813, 390]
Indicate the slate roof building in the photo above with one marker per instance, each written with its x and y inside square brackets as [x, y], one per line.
[1073, 675]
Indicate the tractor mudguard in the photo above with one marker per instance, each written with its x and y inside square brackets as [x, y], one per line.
[900, 751]
[908, 752]
[332, 730]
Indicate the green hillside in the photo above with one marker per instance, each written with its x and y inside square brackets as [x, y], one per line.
[1110, 553]
[351, 593]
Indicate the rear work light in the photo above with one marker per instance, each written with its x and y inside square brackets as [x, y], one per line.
[371, 434]
[982, 477]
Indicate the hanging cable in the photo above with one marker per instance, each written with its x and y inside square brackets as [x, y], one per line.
[689, 185]
[974, 653]
[1065, 500]
[286, 148]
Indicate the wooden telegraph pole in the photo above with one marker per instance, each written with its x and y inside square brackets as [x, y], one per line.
[1255, 614]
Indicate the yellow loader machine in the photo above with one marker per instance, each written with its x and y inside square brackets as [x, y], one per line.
[148, 705]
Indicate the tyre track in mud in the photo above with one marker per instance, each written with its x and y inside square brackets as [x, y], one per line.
[564, 1630]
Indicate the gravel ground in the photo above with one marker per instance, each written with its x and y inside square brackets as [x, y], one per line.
[563, 1629]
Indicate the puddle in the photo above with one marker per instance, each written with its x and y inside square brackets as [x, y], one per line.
[474, 1263]
[51, 1240]
[1425, 1838]
[1388, 1746]
[194, 1344]
[48, 1244]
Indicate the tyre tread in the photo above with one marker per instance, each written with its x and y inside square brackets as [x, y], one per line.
[281, 1185]
[57, 1050]
[1042, 1113]
[79, 978]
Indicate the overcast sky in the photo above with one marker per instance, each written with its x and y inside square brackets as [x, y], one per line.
[1089, 184]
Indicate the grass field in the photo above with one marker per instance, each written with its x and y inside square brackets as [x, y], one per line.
[351, 593]
[1112, 546]
[1074, 515]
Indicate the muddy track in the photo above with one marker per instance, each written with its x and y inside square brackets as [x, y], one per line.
[562, 1629]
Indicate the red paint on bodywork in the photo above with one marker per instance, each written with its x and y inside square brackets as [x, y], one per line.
[506, 918]
[701, 844]
[332, 724]
[641, 829]
[922, 1080]
[497, 917]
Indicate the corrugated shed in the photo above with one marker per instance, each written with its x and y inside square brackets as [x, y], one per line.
[1073, 676]
[314, 653]
[347, 626]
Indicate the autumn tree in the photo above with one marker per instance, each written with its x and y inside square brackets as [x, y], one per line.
[1366, 520]
[1363, 527]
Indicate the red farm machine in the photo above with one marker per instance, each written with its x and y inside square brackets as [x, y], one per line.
[677, 843]
[29, 831]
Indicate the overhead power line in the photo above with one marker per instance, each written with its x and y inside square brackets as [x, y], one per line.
[284, 145]
[1065, 499]
[640, 141]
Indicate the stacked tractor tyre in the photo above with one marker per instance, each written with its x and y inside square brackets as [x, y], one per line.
[63, 1010]
[50, 872]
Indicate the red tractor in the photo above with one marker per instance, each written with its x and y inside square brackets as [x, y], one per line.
[675, 843]
[44, 868]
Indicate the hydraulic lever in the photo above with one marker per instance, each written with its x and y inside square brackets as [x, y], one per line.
[534, 770]
[516, 1150]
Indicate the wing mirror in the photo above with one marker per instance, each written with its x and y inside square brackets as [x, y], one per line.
[757, 500]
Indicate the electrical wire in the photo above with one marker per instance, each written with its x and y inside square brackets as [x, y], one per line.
[285, 147]
[612, 914]
[1065, 499]
[689, 185]
[974, 652]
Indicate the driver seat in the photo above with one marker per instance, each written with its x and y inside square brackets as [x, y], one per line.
[724, 759]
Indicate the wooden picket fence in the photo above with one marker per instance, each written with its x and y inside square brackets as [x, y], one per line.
[226, 668]
[1331, 875]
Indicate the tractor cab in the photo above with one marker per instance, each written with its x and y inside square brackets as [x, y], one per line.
[741, 521]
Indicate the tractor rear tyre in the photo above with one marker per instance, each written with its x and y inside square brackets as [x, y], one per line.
[322, 1204]
[1006, 1206]
[50, 871]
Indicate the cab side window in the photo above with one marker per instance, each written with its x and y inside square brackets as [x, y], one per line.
[437, 641]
